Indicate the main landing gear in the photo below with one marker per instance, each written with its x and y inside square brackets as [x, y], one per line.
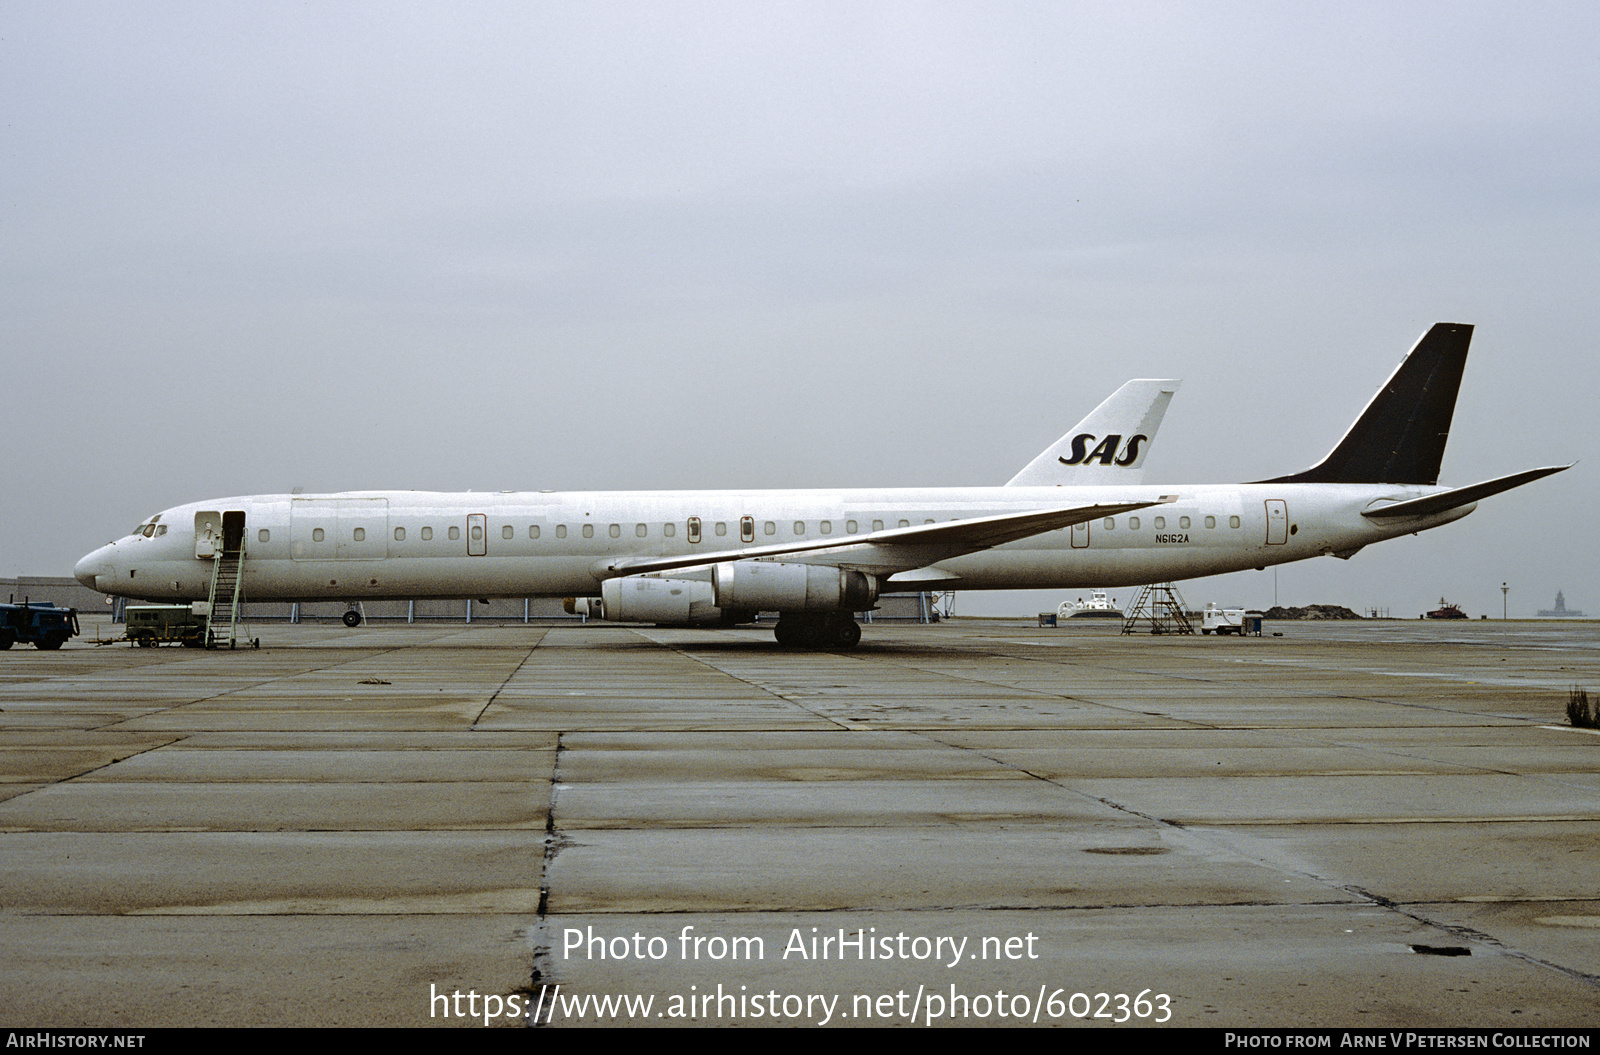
[817, 630]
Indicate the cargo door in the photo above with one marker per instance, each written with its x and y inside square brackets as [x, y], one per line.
[339, 528]
[363, 531]
[477, 534]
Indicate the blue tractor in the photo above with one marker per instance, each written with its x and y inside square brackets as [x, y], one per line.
[42, 623]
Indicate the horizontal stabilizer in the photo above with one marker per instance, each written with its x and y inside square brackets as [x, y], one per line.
[1460, 496]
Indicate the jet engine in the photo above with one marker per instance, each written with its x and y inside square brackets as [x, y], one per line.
[775, 586]
[643, 599]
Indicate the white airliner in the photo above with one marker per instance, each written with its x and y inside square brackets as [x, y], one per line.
[1075, 517]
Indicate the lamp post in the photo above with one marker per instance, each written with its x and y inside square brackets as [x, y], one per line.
[1503, 589]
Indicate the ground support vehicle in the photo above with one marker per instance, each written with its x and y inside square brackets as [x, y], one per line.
[40, 623]
[150, 625]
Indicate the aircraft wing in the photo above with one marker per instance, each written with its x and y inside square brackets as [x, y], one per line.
[1460, 496]
[893, 549]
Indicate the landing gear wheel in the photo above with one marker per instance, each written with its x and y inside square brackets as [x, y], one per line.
[817, 630]
[352, 618]
[808, 634]
[799, 630]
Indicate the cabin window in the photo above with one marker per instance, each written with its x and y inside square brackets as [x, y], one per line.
[316, 534]
[877, 525]
[694, 530]
[477, 532]
[850, 527]
[769, 528]
[640, 530]
[928, 521]
[359, 534]
[616, 531]
[669, 529]
[1161, 523]
[747, 529]
[454, 533]
[722, 527]
[264, 535]
[507, 531]
[1233, 522]
[1211, 522]
[1110, 524]
[561, 531]
[799, 527]
[427, 534]
[826, 527]
[1183, 523]
[399, 534]
[1133, 523]
[533, 530]
[588, 531]
[905, 523]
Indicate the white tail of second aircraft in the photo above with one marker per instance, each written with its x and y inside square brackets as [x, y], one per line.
[1107, 447]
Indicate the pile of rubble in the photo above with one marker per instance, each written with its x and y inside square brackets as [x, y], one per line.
[1311, 611]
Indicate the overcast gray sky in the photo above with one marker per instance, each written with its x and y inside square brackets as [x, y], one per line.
[252, 247]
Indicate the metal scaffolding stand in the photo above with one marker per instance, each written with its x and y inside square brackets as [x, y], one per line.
[1160, 605]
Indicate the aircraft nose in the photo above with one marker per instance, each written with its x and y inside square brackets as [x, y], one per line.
[89, 567]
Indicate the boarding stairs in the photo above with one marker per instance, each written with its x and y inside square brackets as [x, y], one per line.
[227, 595]
[1162, 607]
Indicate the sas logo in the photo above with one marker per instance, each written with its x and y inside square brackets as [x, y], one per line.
[1105, 452]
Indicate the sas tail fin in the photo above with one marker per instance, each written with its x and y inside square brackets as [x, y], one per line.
[1400, 437]
[1108, 446]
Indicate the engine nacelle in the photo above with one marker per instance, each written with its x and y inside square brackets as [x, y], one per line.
[640, 599]
[773, 586]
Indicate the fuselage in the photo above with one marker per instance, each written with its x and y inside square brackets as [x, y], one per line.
[363, 545]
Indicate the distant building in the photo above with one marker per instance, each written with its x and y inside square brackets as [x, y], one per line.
[1561, 611]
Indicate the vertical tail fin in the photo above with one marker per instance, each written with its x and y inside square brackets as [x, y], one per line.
[1400, 437]
[1108, 446]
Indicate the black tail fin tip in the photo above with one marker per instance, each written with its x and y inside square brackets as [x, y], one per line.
[1400, 437]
